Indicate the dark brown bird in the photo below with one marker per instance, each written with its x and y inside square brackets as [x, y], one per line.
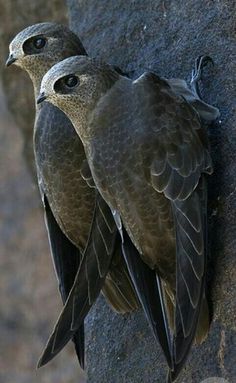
[149, 157]
[69, 202]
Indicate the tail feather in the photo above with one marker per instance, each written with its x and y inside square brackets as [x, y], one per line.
[118, 288]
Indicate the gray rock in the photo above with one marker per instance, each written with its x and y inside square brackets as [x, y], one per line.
[166, 36]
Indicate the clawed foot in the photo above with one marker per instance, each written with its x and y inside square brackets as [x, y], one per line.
[200, 63]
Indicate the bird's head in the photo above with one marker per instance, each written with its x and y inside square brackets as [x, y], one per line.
[76, 84]
[38, 47]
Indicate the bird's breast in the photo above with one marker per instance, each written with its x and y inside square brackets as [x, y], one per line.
[59, 156]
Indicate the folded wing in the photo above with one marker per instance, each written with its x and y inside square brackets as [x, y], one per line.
[88, 282]
[180, 158]
[66, 260]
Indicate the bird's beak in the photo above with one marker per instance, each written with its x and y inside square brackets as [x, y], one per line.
[41, 98]
[11, 59]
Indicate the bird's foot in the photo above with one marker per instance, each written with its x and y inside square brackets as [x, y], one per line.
[200, 63]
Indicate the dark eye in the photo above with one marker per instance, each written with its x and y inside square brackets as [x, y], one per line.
[65, 84]
[39, 42]
[71, 81]
[34, 45]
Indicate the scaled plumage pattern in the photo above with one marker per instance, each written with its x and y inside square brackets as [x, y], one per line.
[68, 200]
[149, 157]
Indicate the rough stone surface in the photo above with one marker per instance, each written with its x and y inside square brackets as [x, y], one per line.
[164, 36]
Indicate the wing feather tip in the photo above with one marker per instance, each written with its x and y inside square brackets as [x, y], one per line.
[169, 376]
[44, 358]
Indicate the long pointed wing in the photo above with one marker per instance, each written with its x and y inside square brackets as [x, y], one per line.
[180, 158]
[149, 290]
[190, 222]
[88, 281]
[118, 289]
[66, 259]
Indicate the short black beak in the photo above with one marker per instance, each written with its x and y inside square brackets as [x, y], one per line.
[41, 98]
[11, 59]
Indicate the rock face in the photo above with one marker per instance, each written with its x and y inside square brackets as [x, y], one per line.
[166, 37]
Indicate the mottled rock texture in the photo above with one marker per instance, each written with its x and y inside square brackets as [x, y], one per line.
[164, 36]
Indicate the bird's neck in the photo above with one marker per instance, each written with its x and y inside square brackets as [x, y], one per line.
[81, 125]
[36, 74]
[36, 85]
[94, 123]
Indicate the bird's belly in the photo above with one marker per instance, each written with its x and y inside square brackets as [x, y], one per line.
[72, 204]
[70, 198]
[59, 156]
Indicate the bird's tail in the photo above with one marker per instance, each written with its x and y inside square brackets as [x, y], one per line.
[118, 288]
[203, 322]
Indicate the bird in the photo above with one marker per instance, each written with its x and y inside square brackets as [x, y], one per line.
[148, 154]
[71, 206]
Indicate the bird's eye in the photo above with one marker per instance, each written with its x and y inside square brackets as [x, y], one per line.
[65, 84]
[71, 81]
[34, 45]
[39, 42]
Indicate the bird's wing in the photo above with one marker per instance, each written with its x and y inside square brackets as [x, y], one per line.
[88, 281]
[118, 289]
[66, 260]
[86, 174]
[191, 247]
[179, 157]
[149, 290]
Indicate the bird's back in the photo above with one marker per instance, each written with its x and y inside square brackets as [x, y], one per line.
[147, 126]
